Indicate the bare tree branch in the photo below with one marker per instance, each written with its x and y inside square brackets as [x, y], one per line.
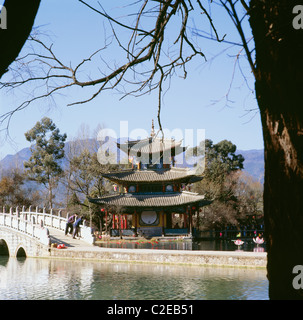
[147, 47]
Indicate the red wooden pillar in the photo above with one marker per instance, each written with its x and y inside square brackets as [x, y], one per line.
[125, 221]
[135, 213]
[114, 220]
[106, 221]
[163, 223]
[121, 221]
[135, 218]
[190, 221]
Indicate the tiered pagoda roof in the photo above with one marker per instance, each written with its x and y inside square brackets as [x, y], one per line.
[152, 145]
[152, 200]
[182, 175]
[164, 175]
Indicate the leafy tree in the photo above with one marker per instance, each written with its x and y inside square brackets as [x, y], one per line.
[237, 199]
[84, 172]
[73, 204]
[221, 159]
[219, 180]
[83, 175]
[44, 163]
[14, 192]
[249, 193]
[234, 194]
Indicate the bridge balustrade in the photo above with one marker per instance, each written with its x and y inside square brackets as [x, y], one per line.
[32, 222]
[17, 223]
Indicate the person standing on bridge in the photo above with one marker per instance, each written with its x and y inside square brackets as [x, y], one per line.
[77, 224]
[69, 224]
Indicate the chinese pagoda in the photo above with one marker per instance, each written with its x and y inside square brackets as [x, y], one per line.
[151, 196]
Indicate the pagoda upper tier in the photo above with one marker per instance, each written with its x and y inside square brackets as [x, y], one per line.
[174, 175]
[152, 145]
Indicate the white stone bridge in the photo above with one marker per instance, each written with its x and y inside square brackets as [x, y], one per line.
[30, 233]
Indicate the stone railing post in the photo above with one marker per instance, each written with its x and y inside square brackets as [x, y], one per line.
[23, 213]
[17, 212]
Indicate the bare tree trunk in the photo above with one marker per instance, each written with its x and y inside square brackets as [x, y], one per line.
[279, 85]
[50, 195]
[283, 202]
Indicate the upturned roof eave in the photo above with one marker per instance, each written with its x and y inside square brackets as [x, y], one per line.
[153, 145]
[151, 176]
[135, 200]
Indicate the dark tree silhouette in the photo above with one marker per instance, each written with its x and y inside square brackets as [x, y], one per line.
[20, 19]
[279, 83]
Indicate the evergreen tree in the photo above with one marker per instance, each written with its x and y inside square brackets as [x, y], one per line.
[44, 163]
[219, 182]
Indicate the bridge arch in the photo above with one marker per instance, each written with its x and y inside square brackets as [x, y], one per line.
[20, 252]
[4, 250]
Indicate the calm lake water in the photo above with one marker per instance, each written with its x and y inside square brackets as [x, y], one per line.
[47, 279]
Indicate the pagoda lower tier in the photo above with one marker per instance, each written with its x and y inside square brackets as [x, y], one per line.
[152, 214]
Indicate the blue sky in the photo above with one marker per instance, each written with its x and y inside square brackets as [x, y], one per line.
[199, 102]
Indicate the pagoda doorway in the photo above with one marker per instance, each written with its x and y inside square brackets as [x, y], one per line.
[177, 224]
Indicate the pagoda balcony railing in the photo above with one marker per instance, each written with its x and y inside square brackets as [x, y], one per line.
[167, 232]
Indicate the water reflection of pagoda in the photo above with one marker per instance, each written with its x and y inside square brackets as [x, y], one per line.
[152, 192]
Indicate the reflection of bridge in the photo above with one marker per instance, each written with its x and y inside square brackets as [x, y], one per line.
[30, 233]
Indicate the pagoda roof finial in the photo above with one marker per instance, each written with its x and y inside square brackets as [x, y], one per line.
[152, 134]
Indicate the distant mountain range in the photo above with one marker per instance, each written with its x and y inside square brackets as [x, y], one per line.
[253, 163]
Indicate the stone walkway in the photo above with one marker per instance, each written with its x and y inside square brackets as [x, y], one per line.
[80, 250]
[57, 236]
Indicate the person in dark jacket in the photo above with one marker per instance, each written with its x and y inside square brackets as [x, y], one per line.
[77, 224]
[69, 224]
